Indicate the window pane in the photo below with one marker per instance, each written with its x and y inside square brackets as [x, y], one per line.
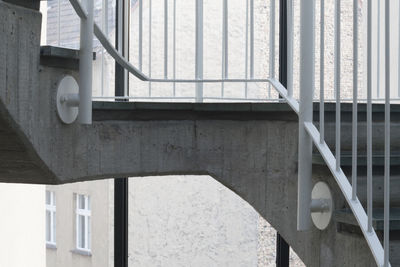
[48, 197]
[89, 233]
[88, 207]
[48, 218]
[81, 231]
[81, 200]
[54, 227]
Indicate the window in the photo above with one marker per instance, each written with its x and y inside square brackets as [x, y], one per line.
[83, 214]
[50, 218]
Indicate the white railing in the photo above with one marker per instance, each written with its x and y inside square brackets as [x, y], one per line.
[308, 132]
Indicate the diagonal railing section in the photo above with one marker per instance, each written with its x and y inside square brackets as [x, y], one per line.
[309, 134]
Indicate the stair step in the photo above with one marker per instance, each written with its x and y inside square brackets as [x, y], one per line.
[346, 216]
[346, 159]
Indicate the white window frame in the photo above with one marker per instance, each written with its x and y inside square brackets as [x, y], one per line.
[51, 208]
[86, 214]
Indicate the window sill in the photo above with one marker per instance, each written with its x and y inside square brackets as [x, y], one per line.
[82, 252]
[51, 246]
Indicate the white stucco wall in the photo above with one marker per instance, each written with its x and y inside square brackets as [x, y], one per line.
[196, 221]
[22, 225]
[189, 221]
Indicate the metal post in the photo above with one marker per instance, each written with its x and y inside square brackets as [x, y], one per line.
[122, 45]
[165, 39]
[121, 184]
[271, 44]
[337, 83]
[386, 228]
[355, 101]
[121, 222]
[140, 35]
[369, 117]
[307, 31]
[282, 247]
[252, 39]
[289, 50]
[85, 66]
[282, 252]
[322, 76]
[199, 50]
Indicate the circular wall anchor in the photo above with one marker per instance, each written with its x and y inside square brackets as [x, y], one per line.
[321, 205]
[67, 88]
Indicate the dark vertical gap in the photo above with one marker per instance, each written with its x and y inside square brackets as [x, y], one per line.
[283, 42]
[120, 184]
[282, 248]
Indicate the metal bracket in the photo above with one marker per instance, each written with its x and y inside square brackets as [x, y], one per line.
[321, 206]
[67, 99]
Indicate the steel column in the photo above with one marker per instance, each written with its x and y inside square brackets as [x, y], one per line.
[85, 66]
[307, 33]
[282, 248]
[121, 184]
[282, 252]
[199, 50]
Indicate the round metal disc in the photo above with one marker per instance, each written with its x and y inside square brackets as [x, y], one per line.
[67, 85]
[321, 219]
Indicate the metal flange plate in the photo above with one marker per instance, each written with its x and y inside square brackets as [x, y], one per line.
[66, 86]
[321, 219]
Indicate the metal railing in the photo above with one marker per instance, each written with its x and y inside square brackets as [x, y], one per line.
[309, 134]
[303, 106]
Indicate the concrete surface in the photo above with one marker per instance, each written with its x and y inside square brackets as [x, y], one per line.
[257, 159]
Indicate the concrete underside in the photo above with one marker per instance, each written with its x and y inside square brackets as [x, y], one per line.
[252, 151]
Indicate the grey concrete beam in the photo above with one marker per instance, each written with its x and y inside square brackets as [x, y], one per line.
[33, 4]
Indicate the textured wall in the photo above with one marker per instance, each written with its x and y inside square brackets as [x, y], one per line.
[196, 221]
[190, 221]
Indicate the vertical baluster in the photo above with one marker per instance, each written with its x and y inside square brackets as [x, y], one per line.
[369, 118]
[150, 27]
[59, 23]
[307, 51]
[103, 26]
[224, 44]
[246, 49]
[140, 33]
[387, 135]
[290, 48]
[199, 50]
[378, 50]
[165, 39]
[322, 75]
[127, 26]
[174, 49]
[398, 56]
[271, 43]
[355, 99]
[251, 39]
[337, 80]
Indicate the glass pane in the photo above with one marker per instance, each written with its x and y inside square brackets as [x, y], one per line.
[81, 231]
[48, 193]
[54, 227]
[48, 222]
[81, 200]
[88, 199]
[89, 234]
